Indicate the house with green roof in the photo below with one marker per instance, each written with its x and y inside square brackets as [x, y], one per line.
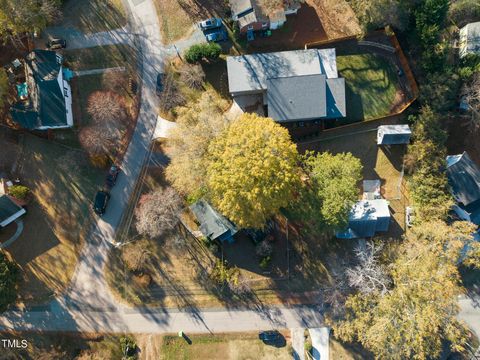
[47, 101]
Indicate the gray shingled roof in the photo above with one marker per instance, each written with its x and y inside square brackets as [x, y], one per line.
[464, 178]
[213, 225]
[336, 105]
[249, 73]
[296, 98]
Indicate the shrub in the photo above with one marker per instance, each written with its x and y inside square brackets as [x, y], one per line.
[129, 348]
[264, 249]
[192, 75]
[19, 191]
[265, 262]
[9, 275]
[198, 52]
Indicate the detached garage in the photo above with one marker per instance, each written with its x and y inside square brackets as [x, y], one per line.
[393, 134]
[9, 211]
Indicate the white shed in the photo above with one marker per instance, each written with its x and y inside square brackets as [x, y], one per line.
[393, 134]
[469, 39]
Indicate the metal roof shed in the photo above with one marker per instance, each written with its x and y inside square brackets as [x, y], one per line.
[9, 211]
[366, 218]
[213, 225]
[393, 134]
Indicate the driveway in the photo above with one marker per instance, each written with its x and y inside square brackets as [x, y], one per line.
[78, 40]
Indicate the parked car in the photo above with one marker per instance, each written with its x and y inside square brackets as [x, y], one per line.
[55, 44]
[212, 23]
[216, 35]
[269, 336]
[101, 201]
[409, 216]
[112, 176]
[159, 86]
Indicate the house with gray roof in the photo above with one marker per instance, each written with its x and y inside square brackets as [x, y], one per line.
[9, 211]
[298, 85]
[469, 39]
[464, 179]
[393, 134]
[48, 102]
[366, 218]
[213, 225]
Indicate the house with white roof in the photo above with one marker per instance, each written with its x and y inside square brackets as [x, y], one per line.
[469, 42]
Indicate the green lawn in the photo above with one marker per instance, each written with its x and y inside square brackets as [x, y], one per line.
[101, 57]
[371, 85]
[224, 347]
[91, 16]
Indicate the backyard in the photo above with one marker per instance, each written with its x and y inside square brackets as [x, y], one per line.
[57, 219]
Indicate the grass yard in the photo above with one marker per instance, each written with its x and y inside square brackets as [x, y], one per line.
[378, 163]
[63, 184]
[91, 16]
[101, 57]
[371, 85]
[341, 351]
[221, 347]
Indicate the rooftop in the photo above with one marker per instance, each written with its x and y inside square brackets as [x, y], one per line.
[393, 134]
[213, 225]
[464, 178]
[9, 211]
[470, 39]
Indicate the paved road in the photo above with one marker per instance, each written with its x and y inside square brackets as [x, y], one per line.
[470, 313]
[89, 288]
[162, 320]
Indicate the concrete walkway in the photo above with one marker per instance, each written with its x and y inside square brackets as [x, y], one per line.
[163, 128]
[320, 342]
[470, 312]
[78, 40]
[298, 343]
[98, 71]
[18, 232]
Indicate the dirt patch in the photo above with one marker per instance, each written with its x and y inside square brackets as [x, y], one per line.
[338, 18]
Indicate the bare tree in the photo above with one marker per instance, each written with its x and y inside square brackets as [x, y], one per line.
[136, 258]
[264, 249]
[192, 75]
[97, 140]
[171, 96]
[471, 95]
[157, 212]
[369, 275]
[239, 286]
[106, 108]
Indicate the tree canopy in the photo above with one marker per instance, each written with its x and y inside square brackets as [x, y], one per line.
[412, 320]
[252, 170]
[196, 126]
[9, 275]
[330, 192]
[26, 16]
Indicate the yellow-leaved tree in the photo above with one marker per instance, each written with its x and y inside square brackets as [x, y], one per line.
[252, 170]
[418, 315]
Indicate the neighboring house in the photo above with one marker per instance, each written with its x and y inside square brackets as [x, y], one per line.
[47, 96]
[213, 225]
[469, 39]
[9, 211]
[298, 85]
[393, 134]
[366, 218]
[464, 180]
[256, 15]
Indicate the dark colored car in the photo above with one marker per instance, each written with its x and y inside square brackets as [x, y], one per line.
[101, 201]
[272, 338]
[159, 86]
[56, 44]
[112, 176]
[212, 23]
[216, 35]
